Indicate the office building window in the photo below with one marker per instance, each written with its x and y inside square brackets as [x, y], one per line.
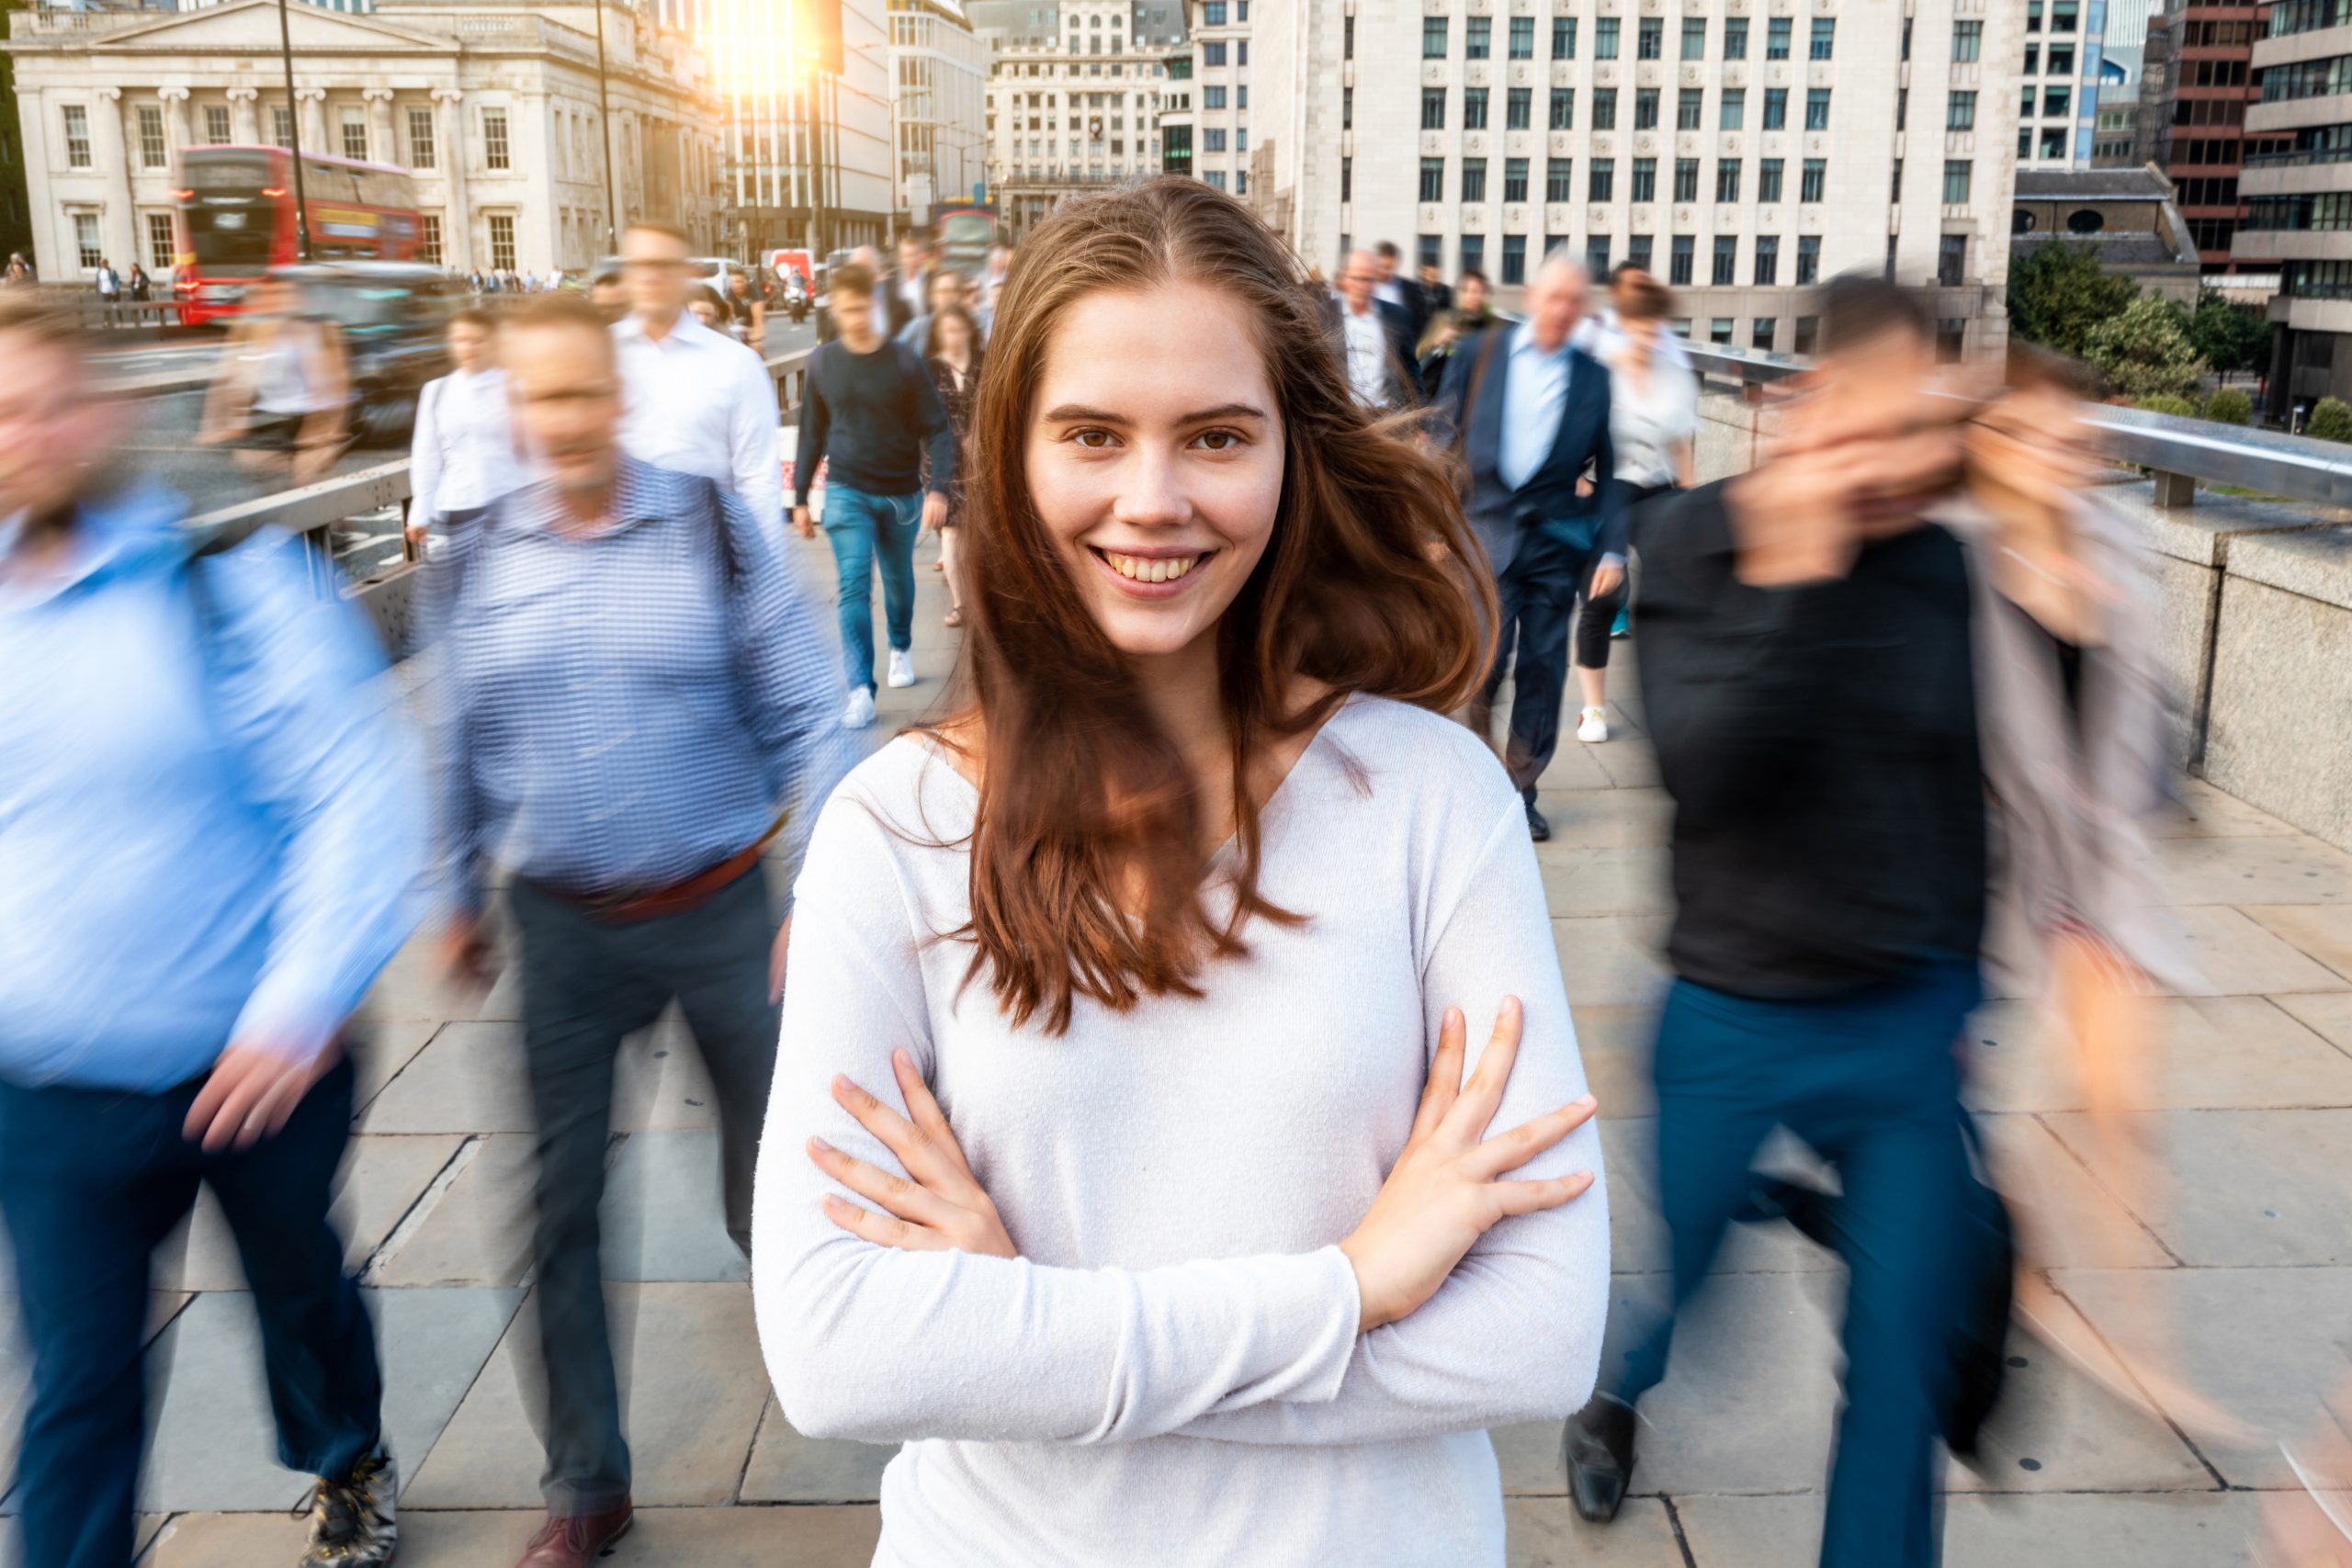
[1474, 179]
[1649, 39]
[1477, 37]
[1824, 44]
[1473, 253]
[1473, 108]
[1768, 261]
[1564, 108]
[1595, 256]
[1428, 250]
[1241, 52]
[1518, 109]
[1726, 179]
[1686, 179]
[1895, 184]
[1719, 332]
[1432, 179]
[1902, 108]
[1776, 38]
[1604, 38]
[2025, 101]
[1689, 104]
[1645, 108]
[2056, 102]
[2062, 16]
[160, 246]
[1604, 108]
[1967, 41]
[1213, 54]
[1951, 260]
[1952, 339]
[1645, 179]
[502, 240]
[1956, 182]
[216, 125]
[1514, 179]
[421, 153]
[428, 239]
[1348, 38]
[1213, 14]
[1761, 331]
[1776, 109]
[1559, 179]
[281, 124]
[2061, 59]
[1347, 179]
[1212, 139]
[1514, 259]
[1212, 96]
[1638, 250]
[85, 240]
[1600, 180]
[1808, 329]
[1694, 37]
[355, 134]
[1727, 260]
[2054, 145]
[77, 143]
[1434, 38]
[1679, 252]
[1564, 38]
[1432, 108]
[1735, 37]
[1733, 112]
[1522, 47]
[1217, 179]
[1816, 109]
[2033, 60]
[493, 147]
[1241, 139]
[153, 152]
[1768, 179]
[1812, 180]
[1906, 37]
[1960, 112]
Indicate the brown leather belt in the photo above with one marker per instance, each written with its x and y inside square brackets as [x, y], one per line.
[678, 899]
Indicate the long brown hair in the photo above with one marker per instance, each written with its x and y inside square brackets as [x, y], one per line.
[1087, 874]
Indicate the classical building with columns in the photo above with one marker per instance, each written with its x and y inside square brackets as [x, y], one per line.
[492, 105]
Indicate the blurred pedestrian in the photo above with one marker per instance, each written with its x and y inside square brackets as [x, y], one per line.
[747, 310]
[1653, 406]
[947, 292]
[140, 285]
[648, 608]
[1601, 333]
[1453, 327]
[1830, 861]
[282, 395]
[609, 294]
[955, 371]
[909, 291]
[991, 282]
[1375, 339]
[1242, 1286]
[873, 411]
[462, 456]
[1434, 292]
[20, 269]
[1391, 286]
[699, 401]
[209, 834]
[703, 303]
[1531, 414]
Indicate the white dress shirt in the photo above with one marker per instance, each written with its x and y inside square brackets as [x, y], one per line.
[463, 452]
[702, 403]
[1601, 333]
[1533, 398]
[1367, 356]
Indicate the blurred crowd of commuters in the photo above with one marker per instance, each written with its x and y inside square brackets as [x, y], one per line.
[1133, 1159]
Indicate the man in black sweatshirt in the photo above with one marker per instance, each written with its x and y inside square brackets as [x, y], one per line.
[871, 408]
[1806, 678]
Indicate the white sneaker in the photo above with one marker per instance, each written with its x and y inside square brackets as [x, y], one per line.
[1592, 725]
[860, 712]
[902, 667]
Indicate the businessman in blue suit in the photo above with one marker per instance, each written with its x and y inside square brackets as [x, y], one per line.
[1531, 414]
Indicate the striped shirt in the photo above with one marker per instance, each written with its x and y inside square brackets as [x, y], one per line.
[618, 710]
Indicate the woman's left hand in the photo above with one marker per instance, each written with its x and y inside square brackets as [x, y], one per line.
[938, 1206]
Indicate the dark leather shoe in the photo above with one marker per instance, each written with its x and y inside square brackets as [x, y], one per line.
[575, 1542]
[1599, 1449]
[1537, 828]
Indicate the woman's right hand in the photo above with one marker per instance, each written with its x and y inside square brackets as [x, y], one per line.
[1445, 1192]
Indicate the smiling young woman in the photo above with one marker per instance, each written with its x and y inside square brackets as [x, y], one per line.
[1127, 1158]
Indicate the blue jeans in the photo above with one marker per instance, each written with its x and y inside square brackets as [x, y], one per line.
[861, 527]
[1871, 1081]
[90, 1181]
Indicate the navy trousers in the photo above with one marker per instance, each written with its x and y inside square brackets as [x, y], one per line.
[90, 1181]
[1871, 1081]
[1538, 593]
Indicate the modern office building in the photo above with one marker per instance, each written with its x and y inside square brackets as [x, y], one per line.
[1220, 61]
[939, 74]
[2199, 82]
[2299, 198]
[1744, 154]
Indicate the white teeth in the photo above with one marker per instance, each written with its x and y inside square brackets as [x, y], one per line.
[1151, 570]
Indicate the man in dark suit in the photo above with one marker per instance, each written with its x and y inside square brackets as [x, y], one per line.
[1531, 414]
[1391, 286]
[1376, 339]
[1434, 290]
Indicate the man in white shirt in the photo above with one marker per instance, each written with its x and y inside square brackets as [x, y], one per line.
[462, 454]
[1378, 338]
[699, 401]
[1601, 333]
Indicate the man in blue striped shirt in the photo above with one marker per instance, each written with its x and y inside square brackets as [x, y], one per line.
[210, 833]
[629, 690]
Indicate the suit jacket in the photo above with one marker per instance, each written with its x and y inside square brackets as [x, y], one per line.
[1505, 518]
[1404, 374]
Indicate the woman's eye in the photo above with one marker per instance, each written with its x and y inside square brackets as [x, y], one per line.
[1221, 440]
[1092, 440]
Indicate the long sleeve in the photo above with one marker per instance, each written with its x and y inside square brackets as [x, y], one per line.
[1514, 1333]
[324, 751]
[886, 1345]
[815, 417]
[754, 449]
[457, 815]
[424, 454]
[938, 430]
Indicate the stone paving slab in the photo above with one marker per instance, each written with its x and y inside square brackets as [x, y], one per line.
[2248, 1188]
[471, 1079]
[476, 1229]
[788, 1468]
[2322, 932]
[2289, 869]
[2204, 812]
[381, 1180]
[662, 1216]
[2217, 1053]
[12, 1541]
[1630, 880]
[661, 1538]
[2207, 1530]
[1544, 1532]
[2240, 957]
[1611, 960]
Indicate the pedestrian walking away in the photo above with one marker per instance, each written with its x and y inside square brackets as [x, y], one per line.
[210, 830]
[872, 410]
[699, 402]
[1531, 414]
[1375, 341]
[1172, 929]
[1653, 427]
[645, 607]
[956, 374]
[462, 456]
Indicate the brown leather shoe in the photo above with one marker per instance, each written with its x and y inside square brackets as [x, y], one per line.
[575, 1544]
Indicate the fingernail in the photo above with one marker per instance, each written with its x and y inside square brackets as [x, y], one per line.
[902, 1057]
[1589, 1102]
[1510, 1004]
[819, 1145]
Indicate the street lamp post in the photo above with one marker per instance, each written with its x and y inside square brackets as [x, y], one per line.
[294, 135]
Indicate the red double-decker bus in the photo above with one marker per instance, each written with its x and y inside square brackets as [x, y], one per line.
[237, 221]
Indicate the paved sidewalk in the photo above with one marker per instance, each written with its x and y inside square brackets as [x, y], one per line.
[2249, 1254]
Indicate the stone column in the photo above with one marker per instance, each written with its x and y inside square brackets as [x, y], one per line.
[312, 102]
[456, 218]
[381, 146]
[110, 150]
[175, 108]
[244, 119]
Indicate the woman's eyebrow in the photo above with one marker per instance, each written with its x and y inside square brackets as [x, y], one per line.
[1103, 416]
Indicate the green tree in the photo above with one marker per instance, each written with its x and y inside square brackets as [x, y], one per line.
[2230, 406]
[2145, 352]
[2166, 403]
[2232, 338]
[2330, 420]
[2060, 292]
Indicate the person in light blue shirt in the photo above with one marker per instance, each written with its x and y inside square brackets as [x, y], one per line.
[212, 832]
